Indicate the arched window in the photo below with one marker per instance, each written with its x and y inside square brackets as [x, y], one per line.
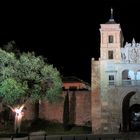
[128, 77]
[138, 75]
[125, 75]
[131, 75]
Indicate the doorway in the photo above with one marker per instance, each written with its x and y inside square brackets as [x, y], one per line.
[126, 112]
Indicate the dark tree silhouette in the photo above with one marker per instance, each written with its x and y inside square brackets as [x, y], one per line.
[72, 108]
[66, 112]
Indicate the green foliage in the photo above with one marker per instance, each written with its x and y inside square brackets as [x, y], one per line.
[12, 91]
[27, 77]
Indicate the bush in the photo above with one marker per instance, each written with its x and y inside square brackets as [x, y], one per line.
[38, 124]
[9, 135]
[50, 127]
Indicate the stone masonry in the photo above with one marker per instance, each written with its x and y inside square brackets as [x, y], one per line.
[115, 81]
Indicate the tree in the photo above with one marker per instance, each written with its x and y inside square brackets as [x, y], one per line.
[26, 78]
[72, 108]
[66, 112]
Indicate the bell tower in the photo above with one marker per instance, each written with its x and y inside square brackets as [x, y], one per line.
[111, 40]
[104, 78]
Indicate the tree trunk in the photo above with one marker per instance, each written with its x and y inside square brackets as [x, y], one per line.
[18, 117]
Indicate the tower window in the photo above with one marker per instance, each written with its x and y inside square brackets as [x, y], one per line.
[110, 38]
[110, 54]
[111, 79]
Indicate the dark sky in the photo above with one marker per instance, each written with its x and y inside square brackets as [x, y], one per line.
[66, 33]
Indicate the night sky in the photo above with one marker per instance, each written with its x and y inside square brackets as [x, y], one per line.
[66, 33]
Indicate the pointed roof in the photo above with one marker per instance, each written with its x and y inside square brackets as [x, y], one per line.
[111, 20]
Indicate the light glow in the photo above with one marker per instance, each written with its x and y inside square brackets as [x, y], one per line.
[18, 117]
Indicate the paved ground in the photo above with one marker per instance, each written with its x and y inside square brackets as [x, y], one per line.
[125, 136]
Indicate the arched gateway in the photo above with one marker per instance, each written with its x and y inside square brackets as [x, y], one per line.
[115, 83]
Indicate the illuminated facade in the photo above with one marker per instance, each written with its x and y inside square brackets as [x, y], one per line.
[115, 82]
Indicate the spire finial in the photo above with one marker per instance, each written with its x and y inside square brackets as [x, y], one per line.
[111, 16]
[133, 41]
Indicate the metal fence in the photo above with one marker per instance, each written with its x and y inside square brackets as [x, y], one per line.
[79, 137]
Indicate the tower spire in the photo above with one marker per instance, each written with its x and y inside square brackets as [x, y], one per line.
[111, 16]
[133, 40]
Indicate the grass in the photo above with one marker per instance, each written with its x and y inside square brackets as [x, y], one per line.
[55, 128]
[59, 130]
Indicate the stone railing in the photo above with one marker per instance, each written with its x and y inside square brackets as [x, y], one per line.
[131, 82]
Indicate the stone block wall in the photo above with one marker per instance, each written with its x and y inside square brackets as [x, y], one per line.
[79, 109]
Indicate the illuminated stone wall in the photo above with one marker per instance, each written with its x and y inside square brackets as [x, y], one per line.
[80, 109]
[112, 97]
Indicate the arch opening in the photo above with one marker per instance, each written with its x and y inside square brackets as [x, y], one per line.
[134, 117]
[126, 112]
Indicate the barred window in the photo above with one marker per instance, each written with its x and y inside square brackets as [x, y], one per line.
[110, 38]
[110, 54]
[111, 80]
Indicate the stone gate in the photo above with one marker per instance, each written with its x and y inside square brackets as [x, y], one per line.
[115, 81]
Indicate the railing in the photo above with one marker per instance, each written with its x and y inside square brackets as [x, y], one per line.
[131, 82]
[125, 136]
[111, 82]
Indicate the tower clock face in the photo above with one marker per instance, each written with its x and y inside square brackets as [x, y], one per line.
[133, 54]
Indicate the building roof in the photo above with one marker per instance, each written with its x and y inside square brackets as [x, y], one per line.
[75, 83]
[71, 79]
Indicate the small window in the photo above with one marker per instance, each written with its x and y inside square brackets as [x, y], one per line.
[110, 38]
[110, 54]
[111, 79]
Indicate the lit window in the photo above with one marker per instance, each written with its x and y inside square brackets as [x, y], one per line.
[110, 54]
[110, 38]
[111, 79]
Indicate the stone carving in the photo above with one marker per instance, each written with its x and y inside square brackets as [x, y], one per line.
[130, 52]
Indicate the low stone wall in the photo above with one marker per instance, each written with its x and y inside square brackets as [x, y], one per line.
[79, 108]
